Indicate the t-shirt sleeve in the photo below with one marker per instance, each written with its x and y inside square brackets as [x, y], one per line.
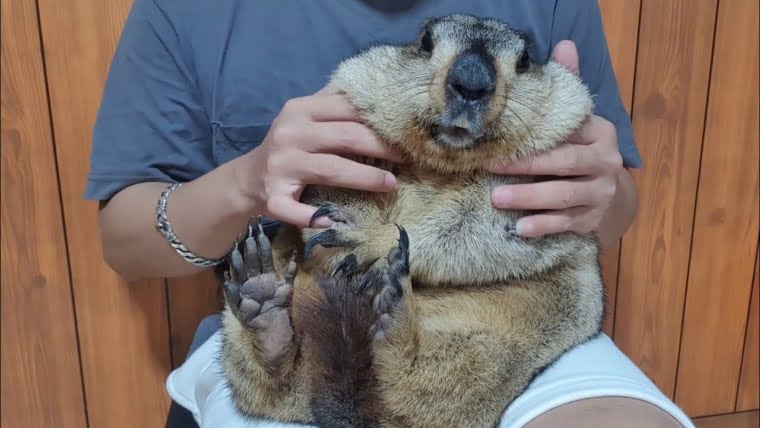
[151, 124]
[581, 22]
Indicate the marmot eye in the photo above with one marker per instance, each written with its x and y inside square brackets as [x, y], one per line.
[523, 63]
[426, 43]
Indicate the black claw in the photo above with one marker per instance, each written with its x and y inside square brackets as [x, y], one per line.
[265, 249]
[253, 266]
[369, 280]
[290, 273]
[347, 266]
[231, 290]
[237, 265]
[332, 212]
[403, 238]
[328, 239]
[321, 211]
[398, 257]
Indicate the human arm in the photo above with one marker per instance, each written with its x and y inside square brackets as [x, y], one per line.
[594, 190]
[153, 129]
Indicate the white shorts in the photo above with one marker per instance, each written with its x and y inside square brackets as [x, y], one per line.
[595, 369]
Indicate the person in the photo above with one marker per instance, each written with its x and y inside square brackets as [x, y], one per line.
[227, 98]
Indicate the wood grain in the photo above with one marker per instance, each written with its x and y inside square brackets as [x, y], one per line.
[726, 221]
[621, 24]
[190, 300]
[737, 420]
[41, 378]
[748, 397]
[123, 328]
[675, 46]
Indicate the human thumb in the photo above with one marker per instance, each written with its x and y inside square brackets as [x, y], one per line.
[566, 54]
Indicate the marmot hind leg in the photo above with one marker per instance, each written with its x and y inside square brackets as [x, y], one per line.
[259, 343]
[259, 299]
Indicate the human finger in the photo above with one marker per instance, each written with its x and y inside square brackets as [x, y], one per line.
[566, 54]
[321, 108]
[595, 129]
[289, 210]
[325, 90]
[565, 160]
[547, 195]
[333, 170]
[558, 221]
[349, 138]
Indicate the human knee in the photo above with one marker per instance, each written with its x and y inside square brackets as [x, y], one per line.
[604, 412]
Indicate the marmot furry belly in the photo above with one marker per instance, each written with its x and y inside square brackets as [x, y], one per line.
[420, 307]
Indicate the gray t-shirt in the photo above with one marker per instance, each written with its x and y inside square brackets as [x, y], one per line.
[195, 83]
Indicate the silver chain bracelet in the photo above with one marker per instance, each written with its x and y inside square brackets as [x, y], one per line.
[163, 226]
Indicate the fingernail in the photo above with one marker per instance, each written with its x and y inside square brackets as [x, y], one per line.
[502, 197]
[390, 180]
[322, 222]
[524, 228]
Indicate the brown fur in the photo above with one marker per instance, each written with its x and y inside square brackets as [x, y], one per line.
[449, 337]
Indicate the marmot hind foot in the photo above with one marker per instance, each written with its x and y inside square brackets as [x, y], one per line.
[257, 296]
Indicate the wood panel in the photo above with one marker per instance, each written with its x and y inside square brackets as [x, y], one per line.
[621, 24]
[686, 266]
[748, 395]
[123, 328]
[672, 73]
[190, 300]
[721, 270]
[41, 378]
[738, 420]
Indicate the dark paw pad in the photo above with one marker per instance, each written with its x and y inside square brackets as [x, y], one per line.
[258, 297]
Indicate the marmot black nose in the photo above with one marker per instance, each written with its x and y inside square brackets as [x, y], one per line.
[472, 77]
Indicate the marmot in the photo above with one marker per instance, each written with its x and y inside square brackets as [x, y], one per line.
[420, 307]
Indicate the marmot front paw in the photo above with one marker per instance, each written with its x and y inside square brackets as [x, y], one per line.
[338, 235]
[365, 236]
[391, 289]
[258, 298]
[389, 299]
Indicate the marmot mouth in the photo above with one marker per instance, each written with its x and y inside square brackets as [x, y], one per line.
[454, 136]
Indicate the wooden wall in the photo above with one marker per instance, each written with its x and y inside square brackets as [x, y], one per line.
[80, 348]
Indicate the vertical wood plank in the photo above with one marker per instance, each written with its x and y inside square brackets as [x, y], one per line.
[721, 270]
[190, 300]
[673, 62]
[621, 24]
[736, 420]
[748, 397]
[41, 384]
[123, 328]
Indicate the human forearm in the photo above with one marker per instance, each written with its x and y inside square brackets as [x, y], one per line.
[622, 211]
[302, 147]
[206, 214]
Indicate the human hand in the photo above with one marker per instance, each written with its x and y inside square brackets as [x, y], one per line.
[304, 146]
[588, 166]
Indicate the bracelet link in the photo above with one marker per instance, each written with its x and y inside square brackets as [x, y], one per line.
[164, 227]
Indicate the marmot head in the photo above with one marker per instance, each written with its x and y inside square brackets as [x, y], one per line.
[463, 95]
